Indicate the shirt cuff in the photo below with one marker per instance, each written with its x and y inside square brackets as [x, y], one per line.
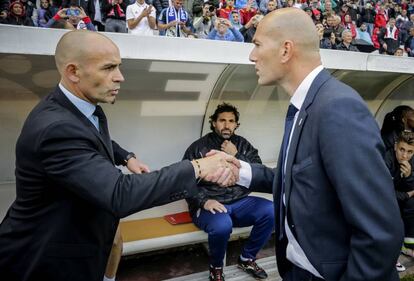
[87, 20]
[245, 174]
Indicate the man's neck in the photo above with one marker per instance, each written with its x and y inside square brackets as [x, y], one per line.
[75, 91]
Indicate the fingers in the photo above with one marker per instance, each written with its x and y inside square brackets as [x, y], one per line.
[227, 180]
[212, 152]
[223, 177]
[213, 177]
[232, 160]
[220, 168]
[405, 170]
[145, 169]
[235, 172]
[220, 208]
[214, 206]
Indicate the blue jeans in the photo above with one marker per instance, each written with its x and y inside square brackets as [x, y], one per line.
[248, 211]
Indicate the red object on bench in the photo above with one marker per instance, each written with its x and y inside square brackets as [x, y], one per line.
[178, 218]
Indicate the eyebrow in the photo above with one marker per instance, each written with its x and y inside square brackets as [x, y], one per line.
[110, 64]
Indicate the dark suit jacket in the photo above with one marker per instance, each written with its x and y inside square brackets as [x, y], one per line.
[70, 196]
[340, 201]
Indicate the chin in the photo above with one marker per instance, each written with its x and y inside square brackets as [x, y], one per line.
[111, 100]
[263, 82]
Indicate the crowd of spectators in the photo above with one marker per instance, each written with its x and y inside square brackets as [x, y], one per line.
[349, 25]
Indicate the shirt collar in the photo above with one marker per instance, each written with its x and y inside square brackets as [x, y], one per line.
[85, 107]
[300, 94]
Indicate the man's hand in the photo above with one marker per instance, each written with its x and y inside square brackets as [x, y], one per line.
[147, 11]
[228, 147]
[136, 166]
[212, 206]
[62, 13]
[82, 13]
[172, 23]
[405, 169]
[3, 15]
[228, 23]
[218, 167]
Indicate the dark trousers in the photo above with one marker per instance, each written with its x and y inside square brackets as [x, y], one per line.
[99, 26]
[248, 211]
[407, 213]
[298, 274]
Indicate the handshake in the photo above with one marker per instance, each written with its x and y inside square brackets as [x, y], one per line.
[217, 167]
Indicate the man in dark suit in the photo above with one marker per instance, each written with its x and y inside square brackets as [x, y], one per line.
[336, 213]
[70, 195]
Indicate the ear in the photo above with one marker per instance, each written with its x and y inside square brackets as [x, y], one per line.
[72, 72]
[286, 51]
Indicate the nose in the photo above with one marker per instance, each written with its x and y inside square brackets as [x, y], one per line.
[252, 56]
[118, 76]
[405, 155]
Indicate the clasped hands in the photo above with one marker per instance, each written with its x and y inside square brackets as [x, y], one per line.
[217, 167]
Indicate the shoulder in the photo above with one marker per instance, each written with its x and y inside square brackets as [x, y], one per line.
[50, 116]
[200, 142]
[163, 14]
[240, 140]
[335, 97]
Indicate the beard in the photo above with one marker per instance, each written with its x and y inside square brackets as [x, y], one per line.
[226, 134]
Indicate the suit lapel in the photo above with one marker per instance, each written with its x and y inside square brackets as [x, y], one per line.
[63, 101]
[323, 76]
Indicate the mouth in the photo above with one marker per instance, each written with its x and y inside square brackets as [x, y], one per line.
[114, 92]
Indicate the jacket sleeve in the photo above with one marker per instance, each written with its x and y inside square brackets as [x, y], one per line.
[72, 161]
[120, 154]
[262, 178]
[248, 153]
[200, 197]
[401, 196]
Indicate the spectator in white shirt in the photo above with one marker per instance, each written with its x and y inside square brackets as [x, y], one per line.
[141, 18]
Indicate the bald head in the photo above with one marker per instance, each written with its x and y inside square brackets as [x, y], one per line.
[295, 25]
[78, 46]
[286, 48]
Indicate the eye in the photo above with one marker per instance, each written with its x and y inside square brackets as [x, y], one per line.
[111, 67]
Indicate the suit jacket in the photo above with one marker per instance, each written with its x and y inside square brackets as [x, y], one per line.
[70, 196]
[340, 202]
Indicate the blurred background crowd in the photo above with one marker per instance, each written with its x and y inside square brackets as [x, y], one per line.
[383, 26]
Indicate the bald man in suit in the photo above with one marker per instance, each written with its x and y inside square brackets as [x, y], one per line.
[70, 194]
[337, 218]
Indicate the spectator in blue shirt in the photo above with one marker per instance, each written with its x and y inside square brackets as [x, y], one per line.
[224, 30]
